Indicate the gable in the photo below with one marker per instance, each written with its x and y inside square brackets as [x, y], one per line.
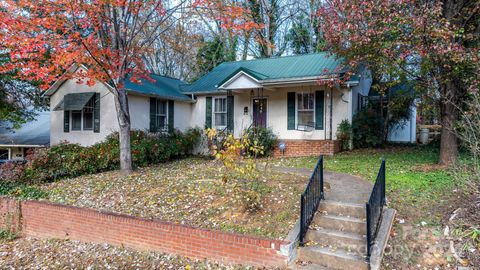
[241, 80]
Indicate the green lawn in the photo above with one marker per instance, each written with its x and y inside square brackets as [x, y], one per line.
[413, 178]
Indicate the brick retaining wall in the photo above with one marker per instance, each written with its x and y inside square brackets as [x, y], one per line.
[299, 148]
[48, 220]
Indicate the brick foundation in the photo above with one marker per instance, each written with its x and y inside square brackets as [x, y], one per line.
[302, 148]
[47, 220]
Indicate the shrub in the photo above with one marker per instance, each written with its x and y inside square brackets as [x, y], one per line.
[70, 160]
[344, 134]
[367, 128]
[262, 137]
[239, 173]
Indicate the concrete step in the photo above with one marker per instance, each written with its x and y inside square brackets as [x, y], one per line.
[339, 223]
[308, 266]
[338, 239]
[343, 209]
[336, 259]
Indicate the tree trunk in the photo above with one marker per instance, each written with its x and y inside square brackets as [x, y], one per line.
[449, 116]
[123, 115]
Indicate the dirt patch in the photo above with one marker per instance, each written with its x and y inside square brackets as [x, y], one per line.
[443, 240]
[429, 167]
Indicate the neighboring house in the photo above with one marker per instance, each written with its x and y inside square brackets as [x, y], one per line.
[283, 93]
[405, 131]
[14, 143]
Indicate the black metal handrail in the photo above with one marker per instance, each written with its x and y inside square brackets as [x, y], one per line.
[310, 198]
[375, 206]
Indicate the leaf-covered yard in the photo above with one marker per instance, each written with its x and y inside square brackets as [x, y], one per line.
[26, 253]
[188, 191]
[425, 196]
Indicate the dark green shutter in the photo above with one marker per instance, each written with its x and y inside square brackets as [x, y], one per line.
[96, 114]
[319, 109]
[208, 112]
[291, 110]
[170, 115]
[153, 112]
[66, 121]
[230, 106]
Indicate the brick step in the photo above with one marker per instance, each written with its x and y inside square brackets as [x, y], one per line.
[339, 223]
[343, 209]
[336, 259]
[338, 239]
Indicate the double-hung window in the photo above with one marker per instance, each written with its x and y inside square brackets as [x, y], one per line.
[83, 119]
[220, 112]
[305, 109]
[161, 115]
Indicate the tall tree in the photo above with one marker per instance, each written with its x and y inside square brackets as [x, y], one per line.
[19, 100]
[434, 43]
[45, 38]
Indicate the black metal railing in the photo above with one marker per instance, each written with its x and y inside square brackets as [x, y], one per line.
[375, 207]
[311, 198]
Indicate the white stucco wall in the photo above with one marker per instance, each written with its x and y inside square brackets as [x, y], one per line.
[198, 110]
[182, 115]
[139, 108]
[108, 115]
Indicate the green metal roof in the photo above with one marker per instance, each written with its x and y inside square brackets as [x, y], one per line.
[277, 68]
[164, 87]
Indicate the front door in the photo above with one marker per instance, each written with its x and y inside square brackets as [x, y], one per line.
[260, 112]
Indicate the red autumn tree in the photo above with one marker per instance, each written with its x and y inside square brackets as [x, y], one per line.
[435, 43]
[45, 38]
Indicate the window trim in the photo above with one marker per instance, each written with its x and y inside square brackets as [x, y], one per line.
[213, 112]
[313, 110]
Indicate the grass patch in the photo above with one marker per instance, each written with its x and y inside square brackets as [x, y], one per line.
[22, 191]
[413, 177]
[7, 236]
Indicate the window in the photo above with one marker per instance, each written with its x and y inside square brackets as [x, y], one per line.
[76, 120]
[220, 112]
[305, 109]
[161, 115]
[83, 119]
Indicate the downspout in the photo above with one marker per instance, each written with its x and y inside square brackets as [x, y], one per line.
[331, 113]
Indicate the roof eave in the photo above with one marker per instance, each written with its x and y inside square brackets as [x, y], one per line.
[186, 99]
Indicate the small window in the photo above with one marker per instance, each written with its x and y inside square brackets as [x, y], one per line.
[220, 112]
[76, 120]
[305, 109]
[161, 115]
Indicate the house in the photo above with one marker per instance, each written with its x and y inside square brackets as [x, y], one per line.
[285, 94]
[404, 131]
[86, 115]
[14, 143]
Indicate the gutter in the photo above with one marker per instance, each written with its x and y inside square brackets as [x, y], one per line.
[187, 99]
[23, 145]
